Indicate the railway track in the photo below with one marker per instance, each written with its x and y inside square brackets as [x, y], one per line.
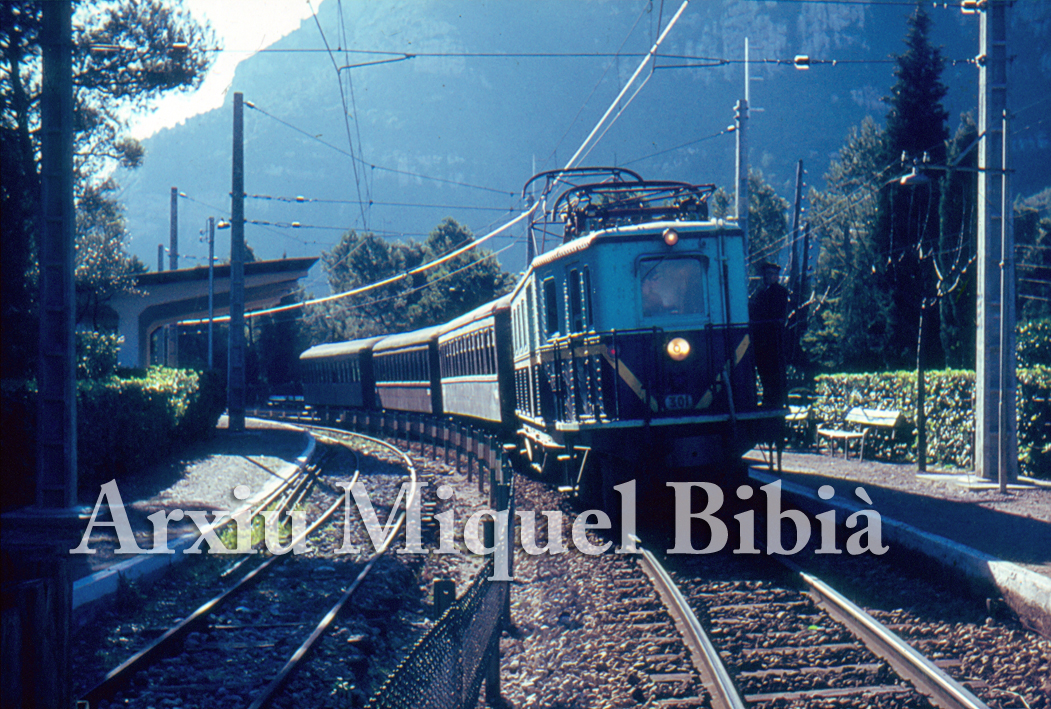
[267, 623]
[801, 644]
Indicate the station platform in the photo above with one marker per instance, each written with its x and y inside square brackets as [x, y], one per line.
[203, 478]
[957, 520]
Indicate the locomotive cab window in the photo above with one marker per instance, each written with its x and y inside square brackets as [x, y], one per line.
[672, 286]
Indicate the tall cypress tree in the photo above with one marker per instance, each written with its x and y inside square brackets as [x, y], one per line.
[907, 229]
[916, 122]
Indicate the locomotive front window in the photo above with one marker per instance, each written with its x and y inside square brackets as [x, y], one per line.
[672, 286]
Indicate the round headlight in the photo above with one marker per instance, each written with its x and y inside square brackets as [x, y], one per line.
[671, 237]
[678, 349]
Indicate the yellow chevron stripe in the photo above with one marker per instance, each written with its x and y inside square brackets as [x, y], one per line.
[709, 396]
[742, 348]
[632, 381]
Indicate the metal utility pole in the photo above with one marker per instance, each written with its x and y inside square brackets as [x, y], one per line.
[173, 242]
[56, 376]
[996, 444]
[805, 264]
[211, 291]
[741, 199]
[160, 257]
[171, 349]
[741, 177]
[1008, 421]
[793, 270]
[236, 359]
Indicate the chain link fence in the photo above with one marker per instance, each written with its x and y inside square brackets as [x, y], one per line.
[446, 668]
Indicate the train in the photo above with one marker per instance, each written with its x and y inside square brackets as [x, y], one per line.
[622, 353]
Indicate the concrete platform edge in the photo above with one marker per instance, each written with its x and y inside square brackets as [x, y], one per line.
[106, 582]
[1026, 592]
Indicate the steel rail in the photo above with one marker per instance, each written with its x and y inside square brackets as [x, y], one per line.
[116, 678]
[717, 680]
[928, 678]
[300, 655]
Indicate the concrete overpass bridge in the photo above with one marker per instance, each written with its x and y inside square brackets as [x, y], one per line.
[171, 296]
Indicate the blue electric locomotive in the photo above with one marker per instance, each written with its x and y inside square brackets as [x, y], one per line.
[632, 352]
[623, 353]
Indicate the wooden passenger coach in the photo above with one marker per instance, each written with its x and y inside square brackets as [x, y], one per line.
[475, 355]
[407, 372]
[339, 374]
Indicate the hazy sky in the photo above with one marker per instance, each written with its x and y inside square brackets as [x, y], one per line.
[244, 27]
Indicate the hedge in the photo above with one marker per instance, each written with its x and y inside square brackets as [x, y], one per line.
[127, 424]
[124, 424]
[950, 411]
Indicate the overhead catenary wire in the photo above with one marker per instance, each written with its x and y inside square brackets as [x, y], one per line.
[346, 119]
[724, 131]
[521, 217]
[300, 199]
[642, 65]
[407, 173]
[373, 286]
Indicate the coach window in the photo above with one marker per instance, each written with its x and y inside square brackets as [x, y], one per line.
[551, 307]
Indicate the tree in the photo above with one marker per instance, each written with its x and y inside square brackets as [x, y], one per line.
[907, 219]
[957, 246]
[103, 268]
[916, 121]
[127, 53]
[422, 299]
[848, 322]
[359, 260]
[463, 282]
[767, 220]
[1032, 228]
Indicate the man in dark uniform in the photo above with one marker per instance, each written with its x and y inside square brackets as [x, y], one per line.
[768, 311]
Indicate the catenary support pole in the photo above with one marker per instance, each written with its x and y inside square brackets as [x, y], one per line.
[1007, 465]
[741, 177]
[173, 235]
[211, 292]
[171, 352]
[992, 208]
[236, 358]
[795, 258]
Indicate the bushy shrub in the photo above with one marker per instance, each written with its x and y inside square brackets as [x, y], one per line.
[97, 354]
[1034, 344]
[949, 397]
[124, 425]
[1034, 421]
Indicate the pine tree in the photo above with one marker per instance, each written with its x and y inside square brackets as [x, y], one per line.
[916, 121]
[906, 233]
[126, 55]
[848, 324]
